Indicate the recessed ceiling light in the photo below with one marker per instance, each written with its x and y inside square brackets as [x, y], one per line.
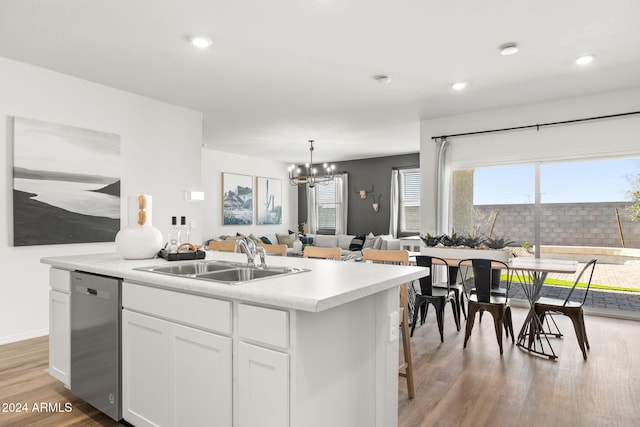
[459, 85]
[585, 59]
[201, 42]
[382, 79]
[510, 48]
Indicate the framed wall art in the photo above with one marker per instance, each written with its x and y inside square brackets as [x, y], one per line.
[66, 184]
[269, 200]
[237, 199]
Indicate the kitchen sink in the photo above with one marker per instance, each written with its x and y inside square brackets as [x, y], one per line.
[189, 268]
[244, 274]
[222, 271]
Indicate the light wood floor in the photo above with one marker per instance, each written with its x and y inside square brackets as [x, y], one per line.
[454, 387]
[478, 387]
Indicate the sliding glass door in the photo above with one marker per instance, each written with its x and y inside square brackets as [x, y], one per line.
[579, 210]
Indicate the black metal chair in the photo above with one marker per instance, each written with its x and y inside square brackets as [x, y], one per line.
[572, 308]
[457, 288]
[438, 297]
[483, 299]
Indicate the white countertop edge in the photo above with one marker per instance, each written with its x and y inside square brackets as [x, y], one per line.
[279, 292]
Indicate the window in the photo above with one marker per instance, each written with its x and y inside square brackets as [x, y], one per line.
[409, 215]
[326, 205]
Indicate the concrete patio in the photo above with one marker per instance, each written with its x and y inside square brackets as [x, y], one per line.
[627, 275]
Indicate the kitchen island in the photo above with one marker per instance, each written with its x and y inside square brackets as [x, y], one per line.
[314, 348]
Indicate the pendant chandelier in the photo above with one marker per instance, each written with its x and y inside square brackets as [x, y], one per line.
[310, 176]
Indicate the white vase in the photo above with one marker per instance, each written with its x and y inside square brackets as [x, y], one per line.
[139, 239]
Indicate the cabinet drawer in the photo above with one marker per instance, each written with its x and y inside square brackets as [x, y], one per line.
[263, 325]
[60, 280]
[193, 310]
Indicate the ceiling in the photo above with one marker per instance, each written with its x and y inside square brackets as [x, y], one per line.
[281, 72]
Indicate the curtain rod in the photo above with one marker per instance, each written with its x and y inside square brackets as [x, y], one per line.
[537, 126]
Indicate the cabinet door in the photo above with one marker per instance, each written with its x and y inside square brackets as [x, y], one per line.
[263, 382]
[201, 377]
[145, 376]
[59, 336]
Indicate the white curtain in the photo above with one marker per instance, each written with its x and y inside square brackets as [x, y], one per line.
[394, 203]
[342, 199]
[312, 212]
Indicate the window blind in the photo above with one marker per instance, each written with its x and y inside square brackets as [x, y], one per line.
[410, 200]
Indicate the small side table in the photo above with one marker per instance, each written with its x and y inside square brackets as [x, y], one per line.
[411, 243]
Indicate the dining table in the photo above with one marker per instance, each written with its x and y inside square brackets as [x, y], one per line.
[531, 273]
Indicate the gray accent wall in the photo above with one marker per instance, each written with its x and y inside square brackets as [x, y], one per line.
[363, 174]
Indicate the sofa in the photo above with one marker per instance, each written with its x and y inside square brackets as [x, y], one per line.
[352, 245]
[293, 246]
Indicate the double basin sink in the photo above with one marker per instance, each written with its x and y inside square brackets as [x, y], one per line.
[232, 273]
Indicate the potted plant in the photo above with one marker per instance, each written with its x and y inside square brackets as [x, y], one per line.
[456, 247]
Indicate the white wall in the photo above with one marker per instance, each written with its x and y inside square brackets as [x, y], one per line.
[603, 138]
[216, 162]
[160, 151]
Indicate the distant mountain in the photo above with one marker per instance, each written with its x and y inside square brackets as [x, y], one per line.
[111, 189]
[19, 172]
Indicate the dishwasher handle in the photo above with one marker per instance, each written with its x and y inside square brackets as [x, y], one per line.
[92, 292]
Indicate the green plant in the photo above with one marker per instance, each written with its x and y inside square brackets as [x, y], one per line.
[429, 240]
[634, 209]
[451, 240]
[526, 245]
[497, 242]
[472, 241]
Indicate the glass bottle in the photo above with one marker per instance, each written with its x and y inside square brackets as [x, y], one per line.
[174, 236]
[184, 229]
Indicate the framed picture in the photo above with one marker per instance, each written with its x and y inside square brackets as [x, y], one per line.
[237, 199]
[66, 184]
[269, 200]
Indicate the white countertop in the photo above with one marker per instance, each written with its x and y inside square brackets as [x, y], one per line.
[328, 284]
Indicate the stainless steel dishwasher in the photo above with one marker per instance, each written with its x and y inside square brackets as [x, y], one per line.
[96, 304]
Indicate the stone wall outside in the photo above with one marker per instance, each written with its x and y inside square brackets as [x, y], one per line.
[565, 224]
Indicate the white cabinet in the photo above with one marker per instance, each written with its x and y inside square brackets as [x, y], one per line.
[173, 374]
[145, 366]
[200, 369]
[263, 384]
[263, 366]
[60, 325]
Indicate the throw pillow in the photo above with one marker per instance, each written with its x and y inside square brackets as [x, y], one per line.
[265, 240]
[254, 238]
[285, 239]
[273, 240]
[377, 244]
[357, 243]
[369, 241]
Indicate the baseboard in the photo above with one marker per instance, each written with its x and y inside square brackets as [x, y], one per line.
[25, 336]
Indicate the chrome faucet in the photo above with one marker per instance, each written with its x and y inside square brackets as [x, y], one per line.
[250, 248]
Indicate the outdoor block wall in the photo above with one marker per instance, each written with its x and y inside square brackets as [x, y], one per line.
[566, 224]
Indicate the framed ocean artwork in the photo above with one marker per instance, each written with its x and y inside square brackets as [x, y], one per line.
[66, 184]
